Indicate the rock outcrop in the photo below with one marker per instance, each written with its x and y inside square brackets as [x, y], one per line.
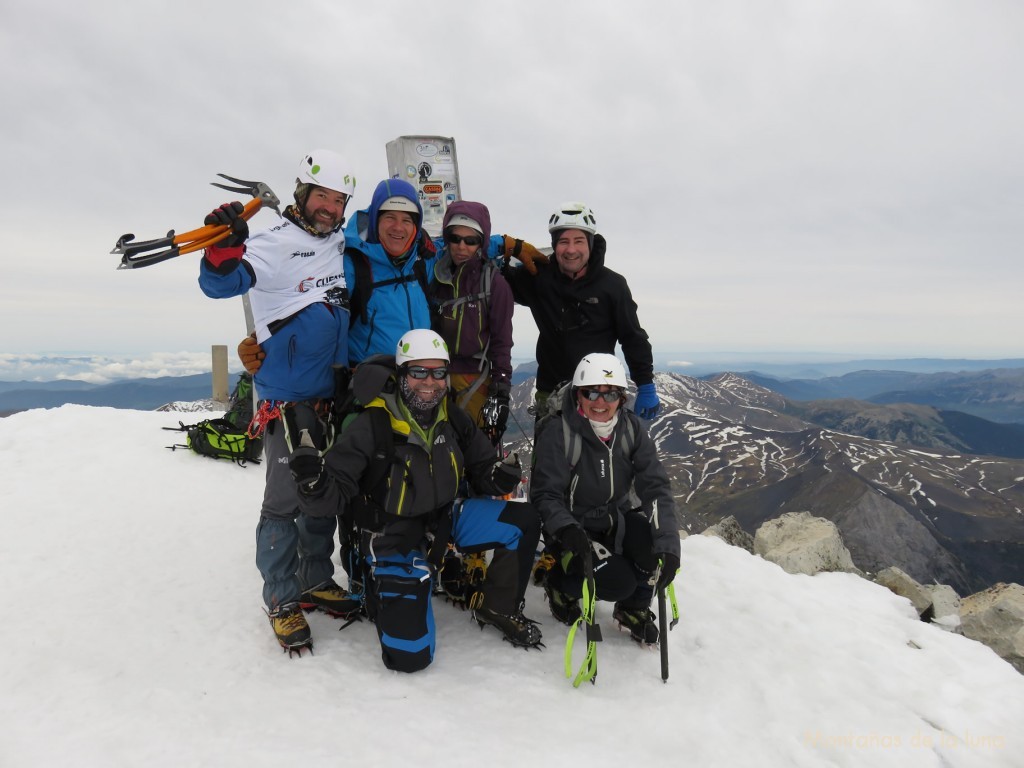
[995, 617]
[801, 543]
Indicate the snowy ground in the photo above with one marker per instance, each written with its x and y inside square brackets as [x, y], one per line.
[136, 637]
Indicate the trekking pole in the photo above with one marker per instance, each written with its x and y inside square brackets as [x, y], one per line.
[663, 625]
[588, 669]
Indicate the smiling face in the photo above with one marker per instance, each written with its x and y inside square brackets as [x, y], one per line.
[324, 208]
[395, 230]
[572, 252]
[428, 391]
[599, 409]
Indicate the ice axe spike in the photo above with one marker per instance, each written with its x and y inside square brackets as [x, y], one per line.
[256, 189]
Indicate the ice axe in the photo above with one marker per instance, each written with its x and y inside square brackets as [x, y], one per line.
[137, 254]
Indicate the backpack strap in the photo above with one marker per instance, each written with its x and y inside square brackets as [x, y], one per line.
[364, 283]
[573, 444]
[628, 441]
[464, 427]
[384, 453]
[484, 294]
[361, 287]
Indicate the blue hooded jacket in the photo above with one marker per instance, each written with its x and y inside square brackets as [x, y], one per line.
[398, 305]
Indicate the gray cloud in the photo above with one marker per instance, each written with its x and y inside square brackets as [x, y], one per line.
[786, 176]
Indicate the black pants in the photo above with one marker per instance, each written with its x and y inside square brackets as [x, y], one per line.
[620, 577]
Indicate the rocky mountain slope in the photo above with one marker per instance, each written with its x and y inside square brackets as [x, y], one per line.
[734, 448]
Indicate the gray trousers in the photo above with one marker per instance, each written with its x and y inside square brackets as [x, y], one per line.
[293, 551]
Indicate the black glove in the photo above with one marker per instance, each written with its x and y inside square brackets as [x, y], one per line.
[669, 566]
[307, 467]
[230, 215]
[574, 539]
[507, 473]
[223, 257]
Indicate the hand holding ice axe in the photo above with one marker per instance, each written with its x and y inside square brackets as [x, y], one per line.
[136, 254]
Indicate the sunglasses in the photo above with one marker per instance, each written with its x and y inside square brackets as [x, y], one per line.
[471, 240]
[609, 397]
[419, 372]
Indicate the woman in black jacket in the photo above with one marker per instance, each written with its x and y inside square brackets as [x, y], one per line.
[588, 460]
[395, 472]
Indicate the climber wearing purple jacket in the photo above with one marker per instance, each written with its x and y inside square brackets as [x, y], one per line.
[473, 309]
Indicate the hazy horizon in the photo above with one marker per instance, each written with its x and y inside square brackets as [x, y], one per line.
[100, 368]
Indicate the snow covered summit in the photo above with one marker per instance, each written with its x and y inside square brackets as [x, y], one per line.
[136, 636]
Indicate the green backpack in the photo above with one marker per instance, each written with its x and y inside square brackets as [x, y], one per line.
[240, 404]
[226, 438]
[220, 439]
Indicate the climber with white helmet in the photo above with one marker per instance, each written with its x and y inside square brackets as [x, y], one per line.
[590, 455]
[582, 306]
[293, 273]
[394, 473]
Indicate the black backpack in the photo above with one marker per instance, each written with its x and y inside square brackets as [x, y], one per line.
[363, 284]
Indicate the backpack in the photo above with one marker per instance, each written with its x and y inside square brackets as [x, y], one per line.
[484, 295]
[574, 443]
[227, 437]
[240, 404]
[371, 378]
[364, 284]
[220, 439]
[353, 390]
[487, 278]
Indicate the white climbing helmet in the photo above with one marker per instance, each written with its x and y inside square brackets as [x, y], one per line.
[399, 203]
[420, 344]
[599, 368]
[573, 216]
[327, 169]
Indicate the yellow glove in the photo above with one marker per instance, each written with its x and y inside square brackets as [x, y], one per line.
[250, 353]
[525, 252]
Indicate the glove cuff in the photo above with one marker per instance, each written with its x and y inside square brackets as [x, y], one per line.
[223, 261]
[314, 489]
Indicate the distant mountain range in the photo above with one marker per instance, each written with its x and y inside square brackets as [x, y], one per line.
[137, 394]
[995, 394]
[903, 484]
[831, 368]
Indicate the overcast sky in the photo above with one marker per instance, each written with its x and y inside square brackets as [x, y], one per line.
[796, 177]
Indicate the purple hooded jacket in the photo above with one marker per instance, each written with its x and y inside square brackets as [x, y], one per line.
[476, 323]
